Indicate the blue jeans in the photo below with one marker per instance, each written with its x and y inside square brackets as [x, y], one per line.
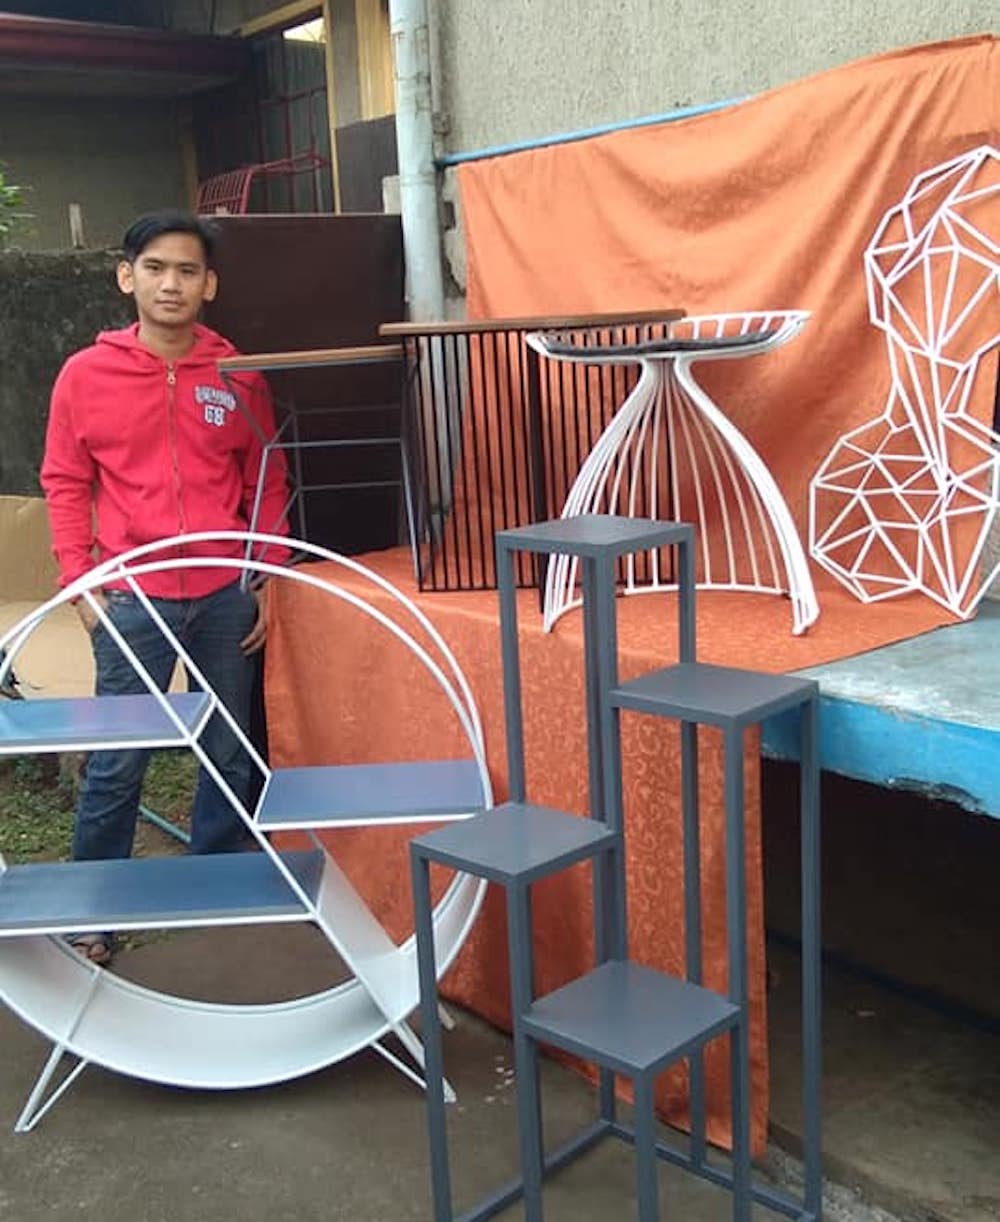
[210, 629]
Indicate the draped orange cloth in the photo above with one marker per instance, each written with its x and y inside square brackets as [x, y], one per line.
[340, 688]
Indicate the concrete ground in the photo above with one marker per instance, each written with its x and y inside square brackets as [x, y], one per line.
[911, 1095]
[345, 1144]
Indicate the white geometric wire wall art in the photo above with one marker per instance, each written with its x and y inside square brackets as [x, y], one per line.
[101, 1018]
[670, 451]
[885, 503]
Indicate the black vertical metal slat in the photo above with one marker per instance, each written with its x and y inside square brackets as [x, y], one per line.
[455, 417]
[522, 492]
[485, 482]
[596, 426]
[415, 442]
[444, 413]
[593, 384]
[573, 373]
[619, 390]
[504, 410]
[442, 483]
[425, 444]
[535, 451]
[672, 561]
[438, 390]
[491, 463]
[646, 478]
[633, 335]
[455, 526]
[547, 419]
[480, 347]
[553, 390]
[521, 440]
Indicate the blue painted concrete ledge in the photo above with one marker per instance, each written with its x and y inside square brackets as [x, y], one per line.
[923, 714]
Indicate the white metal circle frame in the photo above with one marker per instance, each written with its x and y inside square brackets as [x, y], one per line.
[101, 1018]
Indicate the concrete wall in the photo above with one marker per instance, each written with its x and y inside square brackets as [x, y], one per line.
[347, 83]
[115, 157]
[51, 305]
[524, 69]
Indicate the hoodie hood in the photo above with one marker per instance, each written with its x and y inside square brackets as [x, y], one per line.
[208, 347]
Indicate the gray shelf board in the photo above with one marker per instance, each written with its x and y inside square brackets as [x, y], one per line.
[358, 794]
[154, 892]
[714, 695]
[630, 1018]
[97, 721]
[595, 534]
[516, 842]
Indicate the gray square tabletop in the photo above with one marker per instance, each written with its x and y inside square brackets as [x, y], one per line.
[595, 534]
[716, 695]
[629, 1018]
[515, 842]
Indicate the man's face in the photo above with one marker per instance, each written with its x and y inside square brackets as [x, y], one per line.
[169, 280]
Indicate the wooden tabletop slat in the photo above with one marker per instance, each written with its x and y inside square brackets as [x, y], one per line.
[373, 354]
[531, 323]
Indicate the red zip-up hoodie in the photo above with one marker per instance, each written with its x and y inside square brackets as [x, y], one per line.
[139, 449]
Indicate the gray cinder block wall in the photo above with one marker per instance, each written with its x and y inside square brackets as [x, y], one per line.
[518, 70]
[523, 70]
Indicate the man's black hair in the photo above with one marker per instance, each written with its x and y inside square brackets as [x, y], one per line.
[153, 225]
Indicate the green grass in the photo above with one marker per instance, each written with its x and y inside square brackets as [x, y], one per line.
[36, 810]
[38, 794]
[169, 784]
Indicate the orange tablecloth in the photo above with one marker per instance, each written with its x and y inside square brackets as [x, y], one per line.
[340, 688]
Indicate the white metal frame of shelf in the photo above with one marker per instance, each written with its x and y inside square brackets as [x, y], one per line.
[671, 452]
[95, 1015]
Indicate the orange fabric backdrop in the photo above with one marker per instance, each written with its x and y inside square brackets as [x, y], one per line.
[768, 204]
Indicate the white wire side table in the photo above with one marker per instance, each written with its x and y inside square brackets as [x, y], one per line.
[671, 452]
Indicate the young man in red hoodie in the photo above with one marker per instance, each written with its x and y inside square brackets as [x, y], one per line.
[145, 441]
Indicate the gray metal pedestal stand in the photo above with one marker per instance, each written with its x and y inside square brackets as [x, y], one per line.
[626, 1018]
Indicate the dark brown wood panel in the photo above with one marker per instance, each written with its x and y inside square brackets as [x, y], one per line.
[289, 284]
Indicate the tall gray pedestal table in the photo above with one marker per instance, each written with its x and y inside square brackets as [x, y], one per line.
[626, 1018]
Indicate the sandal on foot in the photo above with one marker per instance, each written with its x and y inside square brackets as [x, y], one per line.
[97, 948]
